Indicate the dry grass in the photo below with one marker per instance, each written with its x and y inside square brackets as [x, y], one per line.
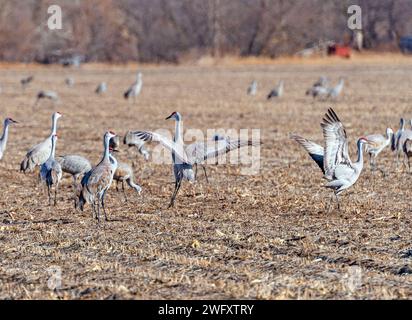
[260, 237]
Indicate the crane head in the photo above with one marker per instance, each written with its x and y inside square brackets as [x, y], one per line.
[10, 120]
[175, 115]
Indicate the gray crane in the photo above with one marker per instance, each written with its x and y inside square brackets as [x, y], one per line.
[319, 88]
[98, 180]
[252, 89]
[335, 92]
[74, 165]
[69, 81]
[38, 154]
[376, 143]
[334, 160]
[184, 157]
[101, 88]
[51, 172]
[26, 81]
[395, 146]
[276, 92]
[5, 135]
[135, 89]
[46, 94]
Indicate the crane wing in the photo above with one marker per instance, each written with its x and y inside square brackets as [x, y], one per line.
[177, 150]
[200, 151]
[315, 151]
[336, 143]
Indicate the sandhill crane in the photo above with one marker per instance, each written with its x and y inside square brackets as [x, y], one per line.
[406, 134]
[337, 90]
[131, 140]
[98, 180]
[101, 88]
[135, 88]
[184, 157]
[252, 89]
[334, 160]
[26, 81]
[407, 149]
[277, 92]
[5, 135]
[69, 82]
[51, 171]
[38, 154]
[376, 143]
[395, 147]
[124, 172]
[74, 165]
[46, 94]
[319, 88]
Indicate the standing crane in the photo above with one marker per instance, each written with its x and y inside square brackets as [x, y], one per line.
[69, 82]
[51, 172]
[395, 146]
[101, 88]
[376, 143]
[38, 154]
[184, 157]
[276, 92]
[135, 89]
[26, 81]
[319, 88]
[252, 89]
[5, 135]
[337, 90]
[334, 160]
[74, 165]
[98, 180]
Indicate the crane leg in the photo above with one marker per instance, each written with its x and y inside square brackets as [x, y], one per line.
[204, 170]
[177, 187]
[98, 209]
[195, 171]
[337, 200]
[104, 209]
[48, 193]
[55, 194]
[124, 192]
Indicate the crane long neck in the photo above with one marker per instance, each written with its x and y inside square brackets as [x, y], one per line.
[53, 149]
[360, 152]
[178, 131]
[106, 153]
[5, 134]
[54, 126]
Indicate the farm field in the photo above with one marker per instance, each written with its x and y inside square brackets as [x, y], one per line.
[263, 236]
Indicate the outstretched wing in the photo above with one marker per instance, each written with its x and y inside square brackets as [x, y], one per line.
[175, 148]
[200, 151]
[315, 151]
[336, 143]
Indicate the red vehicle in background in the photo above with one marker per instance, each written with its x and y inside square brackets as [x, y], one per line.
[339, 50]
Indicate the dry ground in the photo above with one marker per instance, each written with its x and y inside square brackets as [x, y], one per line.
[265, 236]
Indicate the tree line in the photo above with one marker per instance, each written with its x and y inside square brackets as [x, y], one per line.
[177, 30]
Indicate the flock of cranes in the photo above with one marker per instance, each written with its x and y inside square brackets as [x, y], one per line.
[332, 157]
[320, 89]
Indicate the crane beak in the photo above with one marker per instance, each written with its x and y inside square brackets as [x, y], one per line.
[169, 117]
